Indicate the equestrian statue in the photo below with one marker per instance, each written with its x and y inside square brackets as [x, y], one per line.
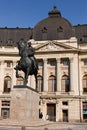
[27, 63]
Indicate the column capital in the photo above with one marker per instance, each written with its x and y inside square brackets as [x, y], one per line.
[2, 62]
[58, 60]
[45, 59]
[71, 59]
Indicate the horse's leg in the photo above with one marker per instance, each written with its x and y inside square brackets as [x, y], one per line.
[25, 80]
[26, 77]
[17, 75]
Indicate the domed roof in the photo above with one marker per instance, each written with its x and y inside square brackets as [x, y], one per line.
[54, 27]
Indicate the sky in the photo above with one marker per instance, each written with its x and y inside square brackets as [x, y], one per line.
[27, 13]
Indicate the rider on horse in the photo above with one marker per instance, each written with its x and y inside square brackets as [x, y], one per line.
[27, 62]
[31, 52]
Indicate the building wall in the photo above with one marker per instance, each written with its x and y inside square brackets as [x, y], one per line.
[68, 103]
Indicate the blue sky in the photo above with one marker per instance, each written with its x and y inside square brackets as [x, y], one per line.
[27, 13]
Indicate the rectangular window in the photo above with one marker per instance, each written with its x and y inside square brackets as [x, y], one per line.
[85, 111]
[84, 85]
[65, 103]
[5, 103]
[65, 63]
[40, 63]
[8, 63]
[85, 62]
[52, 63]
[5, 112]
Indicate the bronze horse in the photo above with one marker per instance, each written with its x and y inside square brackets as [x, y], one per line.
[27, 63]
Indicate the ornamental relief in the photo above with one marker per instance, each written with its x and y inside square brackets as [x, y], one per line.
[51, 47]
[54, 46]
[51, 101]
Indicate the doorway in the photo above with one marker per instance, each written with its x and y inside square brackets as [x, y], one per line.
[51, 111]
[65, 115]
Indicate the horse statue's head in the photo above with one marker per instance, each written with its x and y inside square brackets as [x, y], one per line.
[21, 46]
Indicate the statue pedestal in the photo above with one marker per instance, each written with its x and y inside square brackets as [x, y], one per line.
[24, 104]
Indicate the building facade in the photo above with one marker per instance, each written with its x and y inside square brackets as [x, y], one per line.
[61, 52]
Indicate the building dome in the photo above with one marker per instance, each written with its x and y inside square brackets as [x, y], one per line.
[55, 27]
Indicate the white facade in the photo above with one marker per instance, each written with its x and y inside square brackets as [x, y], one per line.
[61, 76]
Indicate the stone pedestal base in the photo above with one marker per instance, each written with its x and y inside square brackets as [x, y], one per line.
[24, 104]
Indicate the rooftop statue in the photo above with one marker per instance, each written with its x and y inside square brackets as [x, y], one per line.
[27, 62]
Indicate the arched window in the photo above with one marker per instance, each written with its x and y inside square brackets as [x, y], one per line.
[20, 81]
[40, 83]
[44, 30]
[65, 84]
[44, 33]
[60, 29]
[7, 84]
[85, 83]
[52, 84]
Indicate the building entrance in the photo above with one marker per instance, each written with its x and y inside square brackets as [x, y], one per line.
[51, 111]
[65, 115]
[85, 111]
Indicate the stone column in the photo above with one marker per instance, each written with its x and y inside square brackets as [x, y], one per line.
[58, 75]
[1, 76]
[71, 75]
[14, 74]
[80, 77]
[57, 109]
[76, 77]
[45, 77]
[44, 108]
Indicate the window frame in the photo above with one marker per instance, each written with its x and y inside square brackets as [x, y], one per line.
[52, 83]
[7, 84]
[66, 87]
[40, 83]
[84, 87]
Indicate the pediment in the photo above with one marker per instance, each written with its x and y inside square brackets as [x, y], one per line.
[53, 46]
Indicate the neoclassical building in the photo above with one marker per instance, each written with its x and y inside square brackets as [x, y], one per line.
[61, 52]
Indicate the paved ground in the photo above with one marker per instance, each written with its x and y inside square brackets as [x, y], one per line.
[10, 128]
[48, 126]
[77, 128]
